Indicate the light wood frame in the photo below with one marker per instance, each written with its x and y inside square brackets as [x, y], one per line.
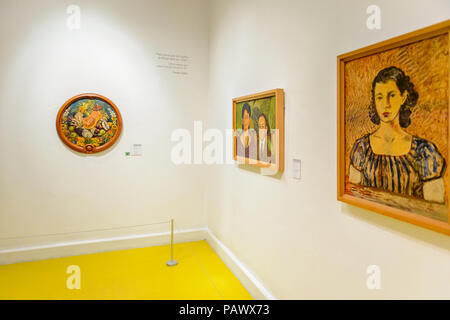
[88, 148]
[430, 223]
[279, 122]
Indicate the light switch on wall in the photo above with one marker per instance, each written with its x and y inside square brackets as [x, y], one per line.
[296, 169]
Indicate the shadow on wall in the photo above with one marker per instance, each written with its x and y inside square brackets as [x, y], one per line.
[399, 227]
[257, 170]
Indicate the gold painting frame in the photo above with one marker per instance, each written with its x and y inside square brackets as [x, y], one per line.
[438, 30]
[276, 165]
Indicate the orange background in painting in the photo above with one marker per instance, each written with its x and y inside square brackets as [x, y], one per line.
[427, 64]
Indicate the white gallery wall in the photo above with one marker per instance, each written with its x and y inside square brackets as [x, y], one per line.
[46, 188]
[295, 236]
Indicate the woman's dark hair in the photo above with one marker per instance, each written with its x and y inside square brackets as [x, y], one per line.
[403, 83]
[269, 137]
[246, 107]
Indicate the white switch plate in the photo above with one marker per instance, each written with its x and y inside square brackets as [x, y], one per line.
[296, 169]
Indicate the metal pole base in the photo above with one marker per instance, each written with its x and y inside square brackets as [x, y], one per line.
[172, 263]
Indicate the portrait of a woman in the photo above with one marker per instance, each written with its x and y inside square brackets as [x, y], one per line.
[264, 139]
[389, 158]
[246, 144]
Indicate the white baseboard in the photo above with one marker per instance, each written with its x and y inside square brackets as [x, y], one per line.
[74, 248]
[248, 279]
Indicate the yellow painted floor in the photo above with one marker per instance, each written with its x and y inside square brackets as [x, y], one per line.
[127, 274]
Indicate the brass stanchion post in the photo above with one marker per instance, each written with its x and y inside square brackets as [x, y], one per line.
[171, 262]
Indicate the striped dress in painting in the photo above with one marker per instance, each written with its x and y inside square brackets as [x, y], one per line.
[401, 174]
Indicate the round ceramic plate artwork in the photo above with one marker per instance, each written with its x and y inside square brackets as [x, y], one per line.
[89, 123]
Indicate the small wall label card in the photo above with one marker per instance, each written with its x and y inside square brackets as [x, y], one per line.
[393, 127]
[89, 123]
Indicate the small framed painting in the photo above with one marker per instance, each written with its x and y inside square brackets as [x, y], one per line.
[89, 123]
[258, 124]
[393, 127]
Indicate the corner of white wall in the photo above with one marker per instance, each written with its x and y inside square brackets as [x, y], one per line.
[249, 280]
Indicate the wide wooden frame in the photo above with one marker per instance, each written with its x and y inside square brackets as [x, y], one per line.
[429, 32]
[279, 106]
[88, 148]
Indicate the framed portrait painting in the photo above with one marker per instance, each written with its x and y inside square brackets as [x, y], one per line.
[89, 123]
[393, 127]
[258, 124]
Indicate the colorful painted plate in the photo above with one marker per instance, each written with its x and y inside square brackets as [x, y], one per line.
[89, 123]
